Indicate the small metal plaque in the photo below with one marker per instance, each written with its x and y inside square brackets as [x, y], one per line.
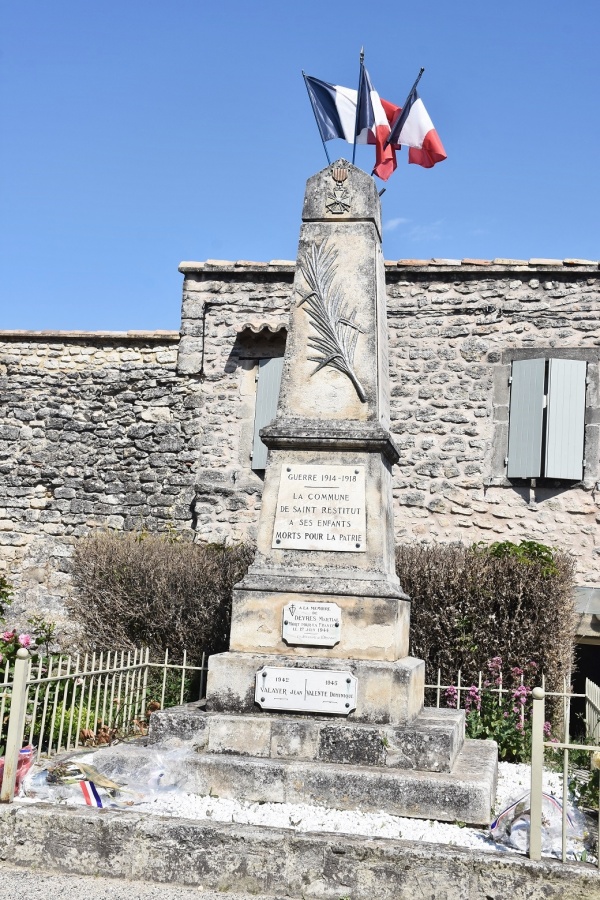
[321, 508]
[314, 624]
[306, 690]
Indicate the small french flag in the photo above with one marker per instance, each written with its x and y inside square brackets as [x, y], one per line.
[414, 129]
[90, 793]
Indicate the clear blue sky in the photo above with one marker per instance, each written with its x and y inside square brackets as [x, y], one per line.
[138, 134]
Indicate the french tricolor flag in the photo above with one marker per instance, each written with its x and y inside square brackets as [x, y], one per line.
[373, 127]
[414, 129]
[334, 107]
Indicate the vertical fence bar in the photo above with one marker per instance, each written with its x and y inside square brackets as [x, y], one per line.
[88, 708]
[565, 788]
[458, 685]
[111, 705]
[44, 709]
[65, 694]
[203, 678]
[98, 689]
[54, 705]
[537, 769]
[73, 702]
[16, 726]
[81, 699]
[128, 688]
[119, 688]
[3, 688]
[438, 691]
[105, 689]
[183, 678]
[145, 683]
[164, 682]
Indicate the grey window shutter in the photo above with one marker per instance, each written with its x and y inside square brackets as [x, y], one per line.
[566, 419]
[526, 418]
[267, 394]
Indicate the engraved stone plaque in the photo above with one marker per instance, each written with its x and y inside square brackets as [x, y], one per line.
[313, 624]
[321, 508]
[306, 690]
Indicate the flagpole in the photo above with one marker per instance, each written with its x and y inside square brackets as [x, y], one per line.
[360, 81]
[417, 80]
[315, 115]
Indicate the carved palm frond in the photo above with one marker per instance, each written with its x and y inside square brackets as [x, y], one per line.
[329, 314]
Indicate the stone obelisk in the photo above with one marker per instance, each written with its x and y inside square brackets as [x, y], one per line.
[317, 699]
[325, 532]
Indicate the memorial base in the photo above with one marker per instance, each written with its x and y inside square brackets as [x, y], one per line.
[234, 769]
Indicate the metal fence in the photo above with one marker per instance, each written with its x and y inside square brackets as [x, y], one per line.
[60, 702]
[538, 747]
[460, 689]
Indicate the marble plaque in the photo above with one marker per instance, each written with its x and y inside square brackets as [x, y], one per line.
[321, 508]
[306, 690]
[313, 624]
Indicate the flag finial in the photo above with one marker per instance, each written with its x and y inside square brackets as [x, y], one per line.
[362, 55]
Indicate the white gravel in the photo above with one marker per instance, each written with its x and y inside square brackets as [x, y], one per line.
[513, 782]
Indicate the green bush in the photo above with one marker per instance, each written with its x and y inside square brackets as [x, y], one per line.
[136, 589]
[471, 604]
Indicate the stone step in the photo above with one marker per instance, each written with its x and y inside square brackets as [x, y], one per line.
[466, 794]
[429, 743]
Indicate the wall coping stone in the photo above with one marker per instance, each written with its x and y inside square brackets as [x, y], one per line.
[159, 336]
[441, 265]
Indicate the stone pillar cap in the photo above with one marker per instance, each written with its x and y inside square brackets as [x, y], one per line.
[342, 193]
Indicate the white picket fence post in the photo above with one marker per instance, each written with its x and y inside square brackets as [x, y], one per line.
[16, 726]
[537, 769]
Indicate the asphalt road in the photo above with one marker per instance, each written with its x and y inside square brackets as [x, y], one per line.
[17, 884]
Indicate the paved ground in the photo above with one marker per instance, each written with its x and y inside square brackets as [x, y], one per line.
[16, 884]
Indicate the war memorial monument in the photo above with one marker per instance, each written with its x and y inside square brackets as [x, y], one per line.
[317, 700]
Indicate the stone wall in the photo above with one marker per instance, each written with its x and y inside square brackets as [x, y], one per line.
[131, 429]
[96, 430]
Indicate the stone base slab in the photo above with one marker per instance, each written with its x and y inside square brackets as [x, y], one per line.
[430, 743]
[371, 627]
[466, 794]
[388, 692]
[135, 848]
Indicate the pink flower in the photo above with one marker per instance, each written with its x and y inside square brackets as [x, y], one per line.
[547, 729]
[451, 694]
[8, 635]
[25, 640]
[1, 657]
[516, 672]
[495, 664]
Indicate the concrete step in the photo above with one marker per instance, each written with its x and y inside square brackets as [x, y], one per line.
[430, 742]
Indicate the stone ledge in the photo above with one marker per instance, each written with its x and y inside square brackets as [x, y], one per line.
[92, 337]
[274, 862]
[499, 263]
[304, 434]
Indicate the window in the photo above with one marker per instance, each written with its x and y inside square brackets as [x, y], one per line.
[547, 418]
[267, 394]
